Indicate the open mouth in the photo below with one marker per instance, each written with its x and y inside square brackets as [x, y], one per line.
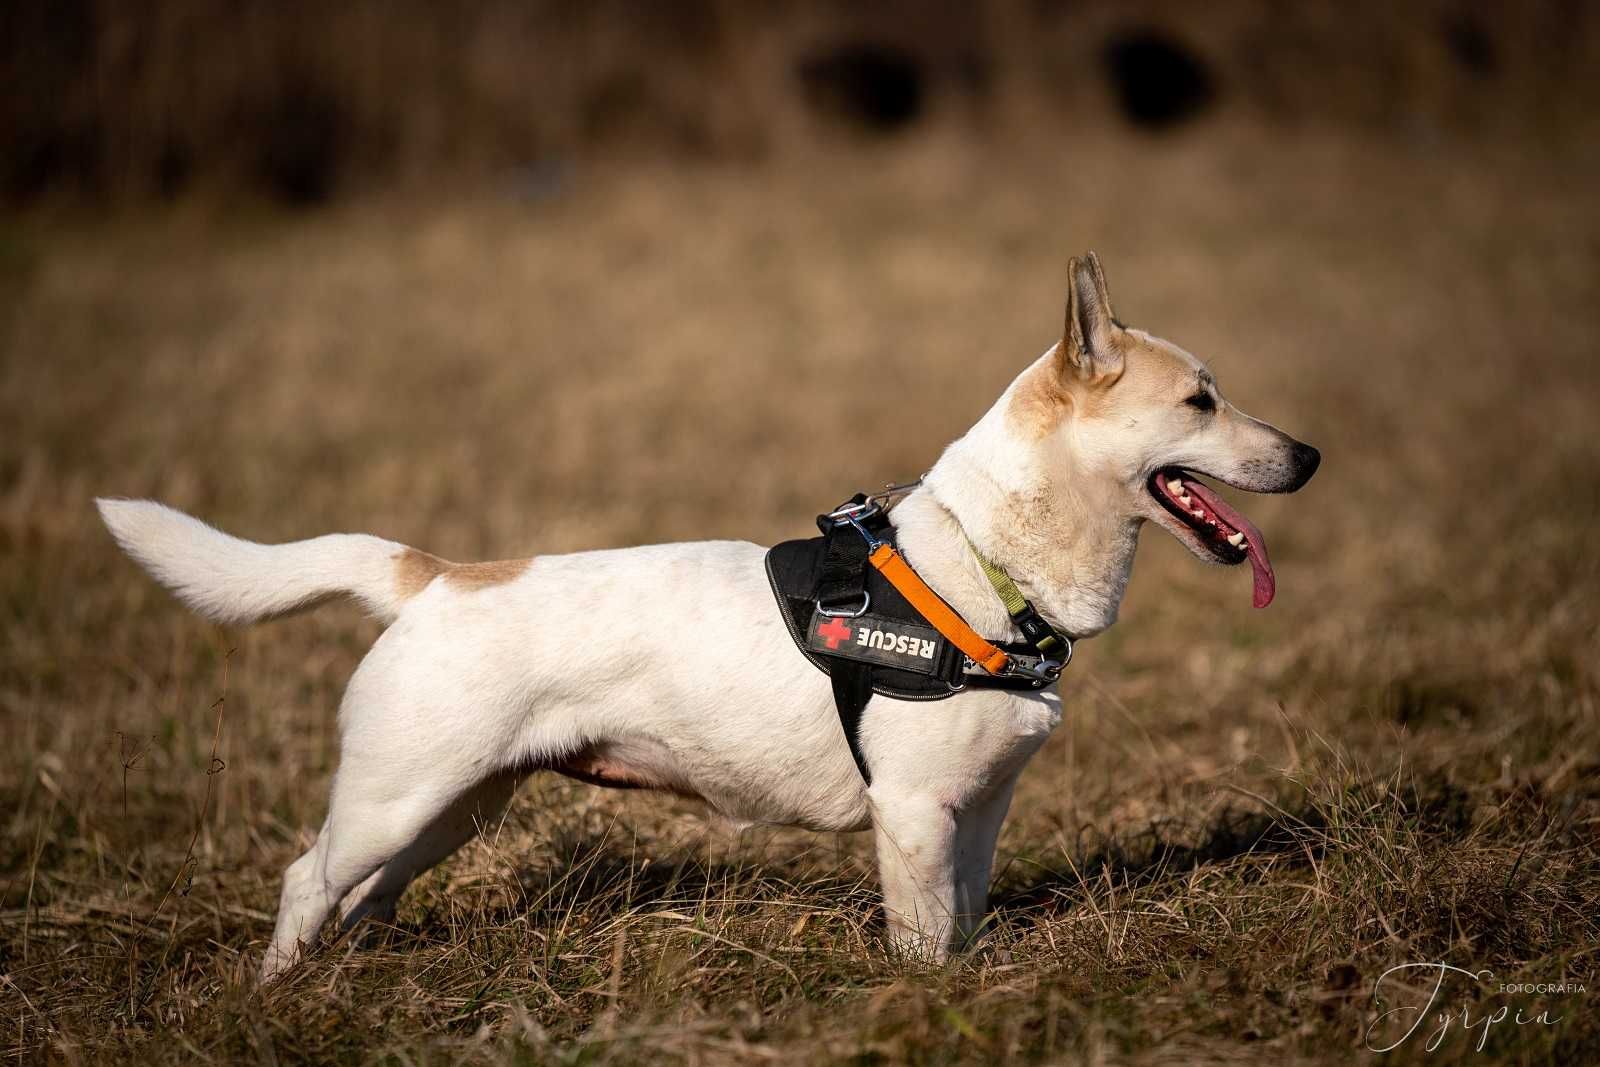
[1220, 530]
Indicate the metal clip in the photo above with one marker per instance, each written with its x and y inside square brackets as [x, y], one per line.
[891, 490]
[1042, 672]
[853, 514]
[851, 510]
[866, 602]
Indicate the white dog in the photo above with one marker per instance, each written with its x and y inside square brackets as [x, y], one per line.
[670, 666]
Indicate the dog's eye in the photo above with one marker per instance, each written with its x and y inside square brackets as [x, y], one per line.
[1202, 402]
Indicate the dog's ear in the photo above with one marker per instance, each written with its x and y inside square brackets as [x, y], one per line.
[1090, 348]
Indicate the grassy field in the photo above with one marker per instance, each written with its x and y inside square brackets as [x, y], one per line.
[1245, 818]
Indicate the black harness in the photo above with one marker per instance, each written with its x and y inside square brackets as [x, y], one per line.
[856, 627]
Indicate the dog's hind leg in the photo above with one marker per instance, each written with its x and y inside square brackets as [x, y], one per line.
[376, 897]
[401, 775]
[371, 821]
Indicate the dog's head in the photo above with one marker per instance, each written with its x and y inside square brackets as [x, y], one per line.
[1138, 419]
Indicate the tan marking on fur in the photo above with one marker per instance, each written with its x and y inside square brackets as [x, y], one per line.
[414, 569]
[1039, 402]
[1152, 373]
[597, 766]
[471, 576]
[1155, 375]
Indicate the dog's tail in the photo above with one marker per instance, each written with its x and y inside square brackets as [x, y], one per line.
[238, 582]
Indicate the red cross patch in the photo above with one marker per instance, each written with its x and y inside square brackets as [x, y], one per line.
[834, 631]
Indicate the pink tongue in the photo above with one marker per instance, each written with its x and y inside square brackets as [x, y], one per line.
[1255, 545]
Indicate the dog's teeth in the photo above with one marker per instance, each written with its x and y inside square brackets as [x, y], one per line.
[1237, 540]
[1186, 498]
[1197, 513]
[1175, 485]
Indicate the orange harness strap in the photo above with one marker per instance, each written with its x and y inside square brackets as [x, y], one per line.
[933, 608]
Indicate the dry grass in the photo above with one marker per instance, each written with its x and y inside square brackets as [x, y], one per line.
[1246, 816]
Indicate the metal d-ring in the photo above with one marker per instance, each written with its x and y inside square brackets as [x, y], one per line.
[866, 602]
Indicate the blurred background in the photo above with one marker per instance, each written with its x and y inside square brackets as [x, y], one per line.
[305, 103]
[498, 279]
[610, 257]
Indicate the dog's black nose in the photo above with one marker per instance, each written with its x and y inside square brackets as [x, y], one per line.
[1306, 461]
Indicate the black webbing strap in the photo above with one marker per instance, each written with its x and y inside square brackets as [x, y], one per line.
[852, 688]
[842, 576]
[842, 586]
[1037, 632]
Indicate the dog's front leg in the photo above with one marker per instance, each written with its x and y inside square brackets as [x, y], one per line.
[977, 830]
[916, 839]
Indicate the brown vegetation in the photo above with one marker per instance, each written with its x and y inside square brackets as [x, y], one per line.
[1246, 816]
[307, 100]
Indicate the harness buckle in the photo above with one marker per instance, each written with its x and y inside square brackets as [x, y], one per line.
[1041, 671]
